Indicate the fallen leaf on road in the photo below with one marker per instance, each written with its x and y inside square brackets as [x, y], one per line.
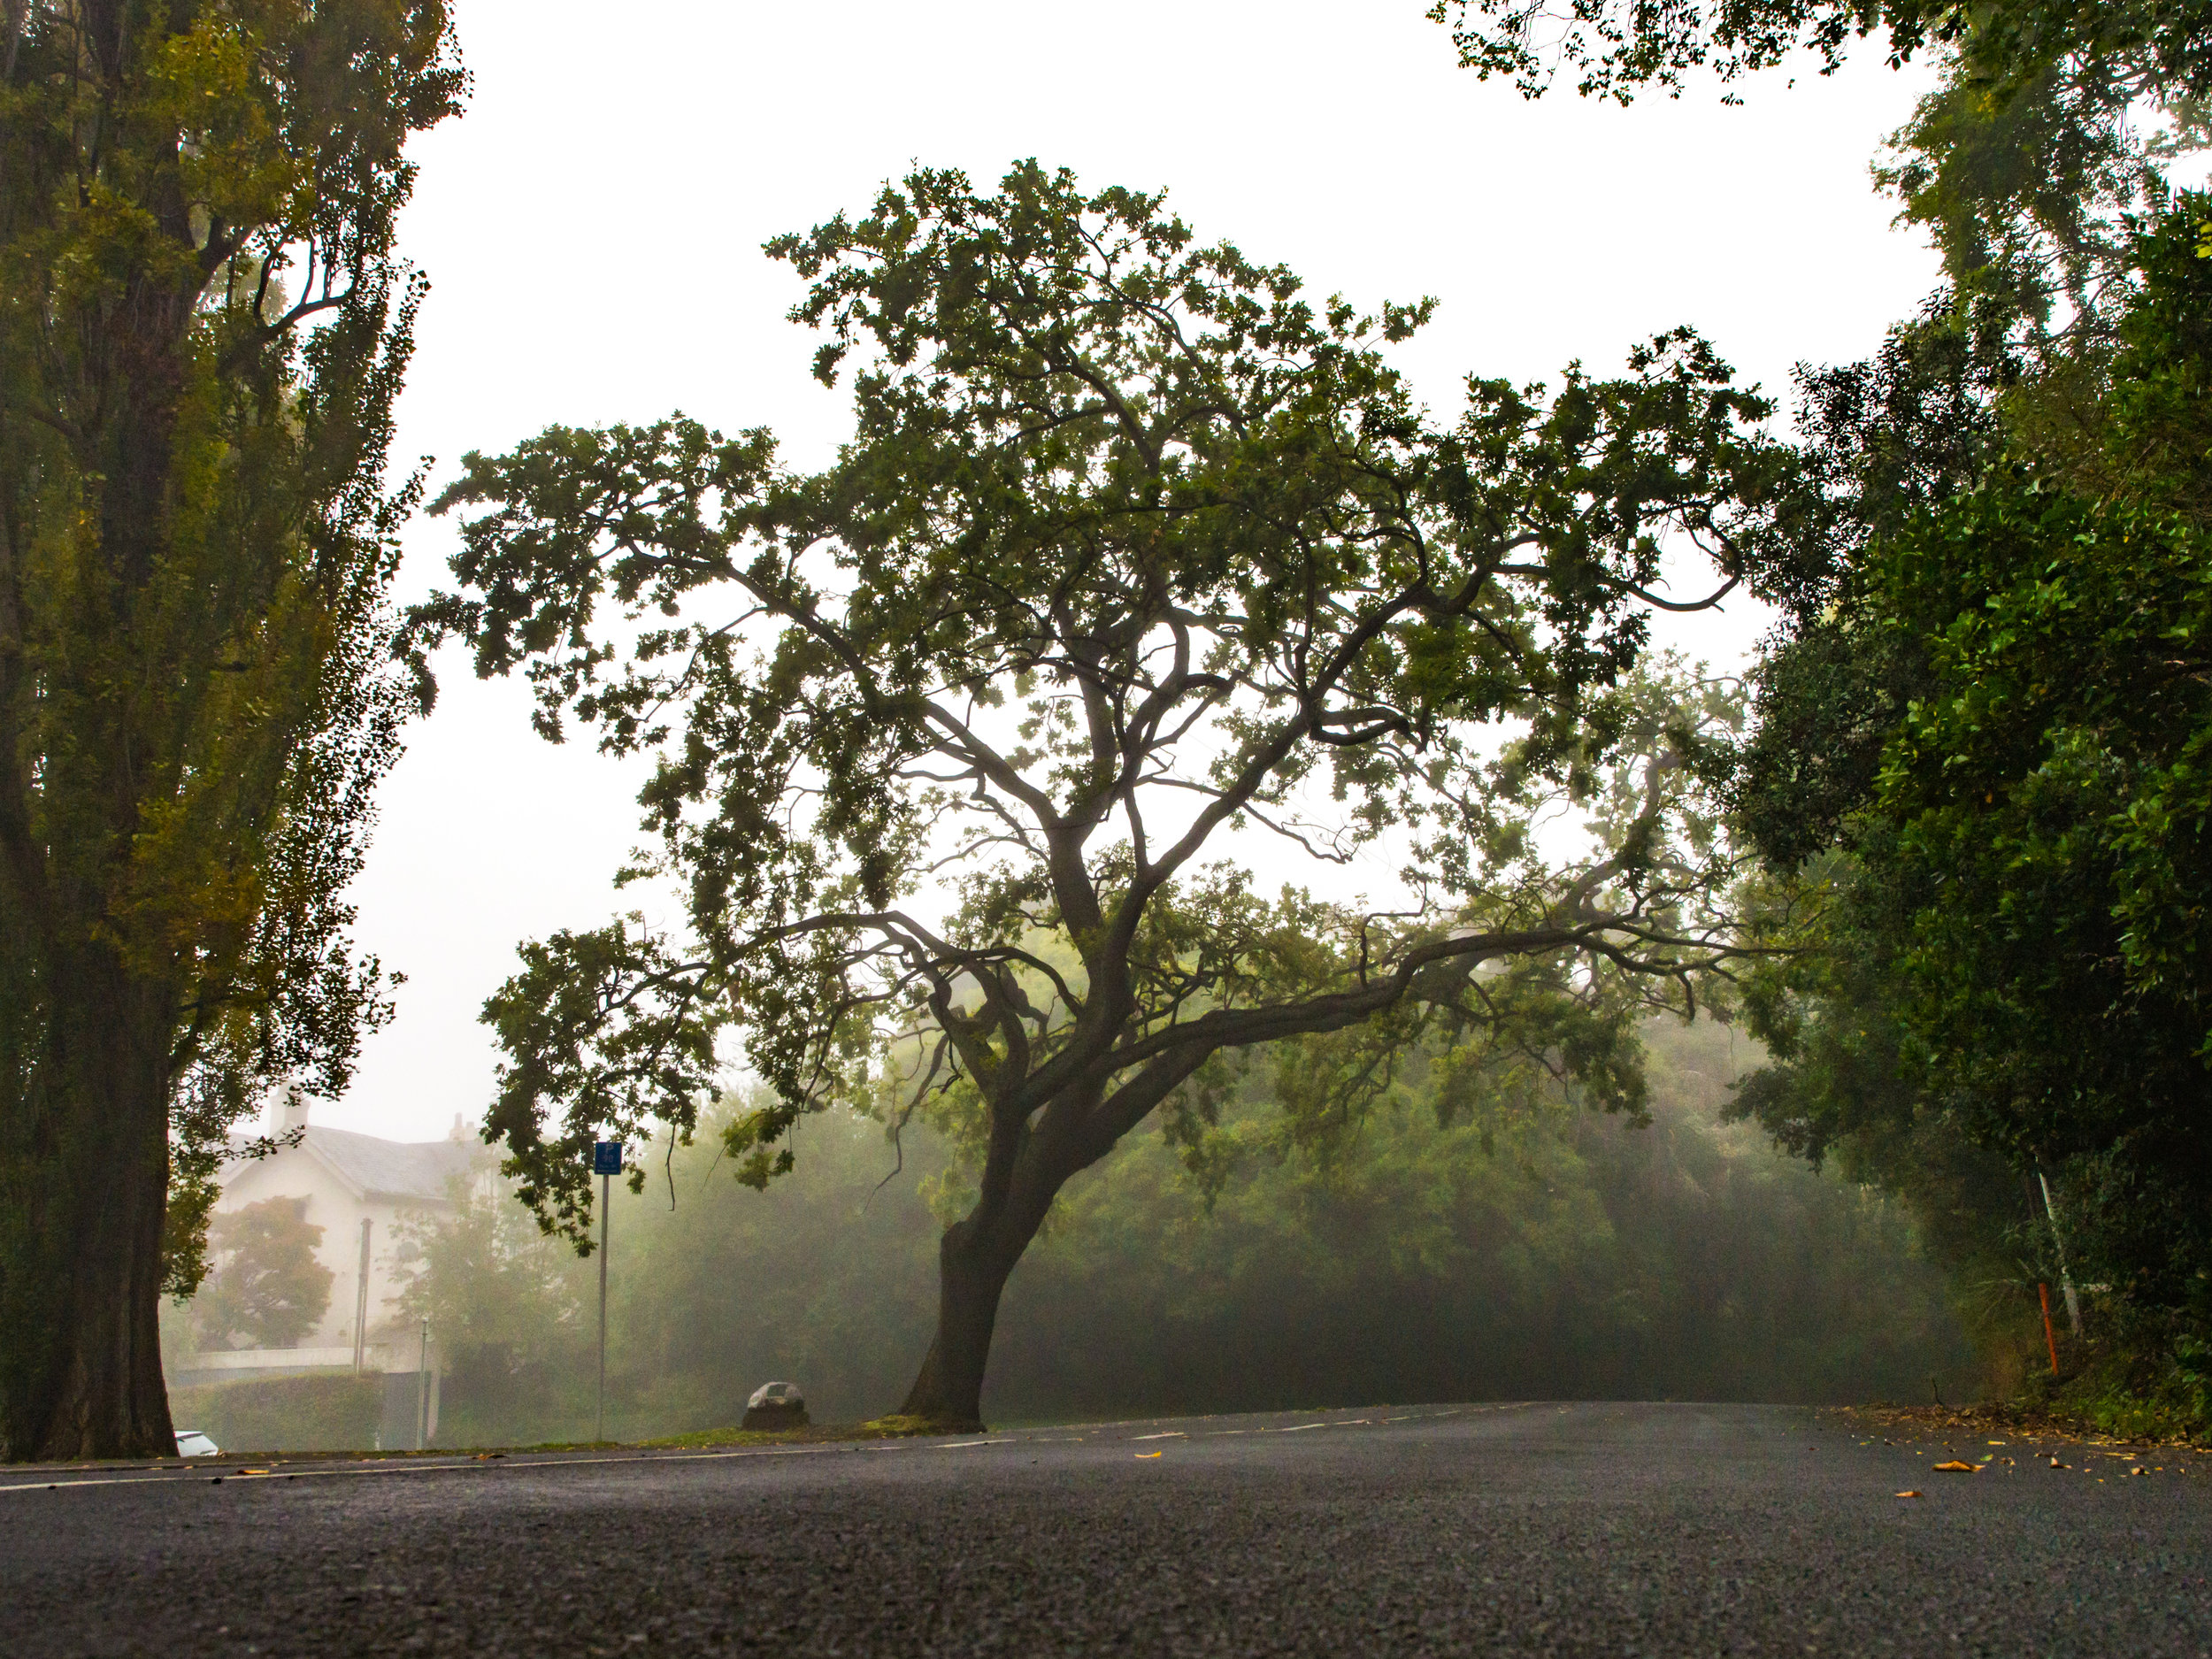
[1148, 1454]
[1908, 1494]
[1956, 1468]
[2056, 1465]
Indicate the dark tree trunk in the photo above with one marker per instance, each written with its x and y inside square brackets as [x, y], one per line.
[948, 1390]
[974, 1260]
[1031, 1158]
[86, 1380]
[84, 1376]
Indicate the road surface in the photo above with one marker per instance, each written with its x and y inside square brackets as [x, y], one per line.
[1617, 1530]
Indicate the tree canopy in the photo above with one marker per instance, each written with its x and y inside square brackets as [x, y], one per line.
[1135, 556]
[1620, 47]
[265, 1289]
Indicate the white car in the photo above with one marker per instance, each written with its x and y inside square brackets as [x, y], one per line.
[193, 1443]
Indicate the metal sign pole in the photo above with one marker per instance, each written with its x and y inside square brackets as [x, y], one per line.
[606, 1183]
[606, 1163]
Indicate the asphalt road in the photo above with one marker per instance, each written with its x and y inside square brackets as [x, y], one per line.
[1506, 1529]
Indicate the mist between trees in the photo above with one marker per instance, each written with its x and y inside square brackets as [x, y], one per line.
[1528, 1249]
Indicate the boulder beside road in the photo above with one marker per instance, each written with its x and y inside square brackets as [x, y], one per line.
[776, 1405]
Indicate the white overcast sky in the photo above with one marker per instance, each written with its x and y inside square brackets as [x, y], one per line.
[591, 229]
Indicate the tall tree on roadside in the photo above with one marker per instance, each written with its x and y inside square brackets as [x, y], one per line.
[1132, 550]
[203, 327]
[1976, 774]
[2019, 913]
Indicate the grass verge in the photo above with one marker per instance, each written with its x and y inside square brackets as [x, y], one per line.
[888, 1428]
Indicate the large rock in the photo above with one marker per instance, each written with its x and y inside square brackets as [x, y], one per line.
[776, 1405]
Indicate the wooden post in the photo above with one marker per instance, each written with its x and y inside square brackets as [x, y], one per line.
[361, 1303]
[422, 1391]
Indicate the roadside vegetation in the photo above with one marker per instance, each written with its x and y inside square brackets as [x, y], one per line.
[1978, 783]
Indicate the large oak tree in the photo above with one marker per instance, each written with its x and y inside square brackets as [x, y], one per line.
[1137, 564]
[202, 326]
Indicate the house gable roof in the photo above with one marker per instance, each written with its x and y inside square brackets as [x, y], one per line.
[412, 1171]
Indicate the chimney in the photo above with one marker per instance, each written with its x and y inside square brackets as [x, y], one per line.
[294, 1112]
[459, 1133]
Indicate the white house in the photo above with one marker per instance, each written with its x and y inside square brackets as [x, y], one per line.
[358, 1188]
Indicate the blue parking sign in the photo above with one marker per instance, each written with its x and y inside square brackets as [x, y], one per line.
[606, 1157]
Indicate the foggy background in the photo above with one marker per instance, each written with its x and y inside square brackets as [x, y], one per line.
[1533, 1250]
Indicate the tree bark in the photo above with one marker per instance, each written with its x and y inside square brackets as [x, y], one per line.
[949, 1389]
[974, 1260]
[87, 1381]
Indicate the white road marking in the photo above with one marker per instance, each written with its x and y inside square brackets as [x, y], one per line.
[189, 1477]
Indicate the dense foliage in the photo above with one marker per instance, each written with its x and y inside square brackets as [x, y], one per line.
[203, 327]
[2026, 869]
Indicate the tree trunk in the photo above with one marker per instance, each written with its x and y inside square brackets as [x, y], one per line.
[80, 1292]
[948, 1390]
[82, 1296]
[974, 1260]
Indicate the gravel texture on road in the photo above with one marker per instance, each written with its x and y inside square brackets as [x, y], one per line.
[1494, 1529]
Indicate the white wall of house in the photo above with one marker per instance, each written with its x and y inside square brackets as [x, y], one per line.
[296, 1172]
[345, 1179]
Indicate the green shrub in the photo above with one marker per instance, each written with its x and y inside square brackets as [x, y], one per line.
[332, 1411]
